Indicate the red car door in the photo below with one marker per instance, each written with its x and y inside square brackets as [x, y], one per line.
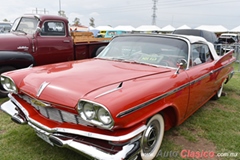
[202, 85]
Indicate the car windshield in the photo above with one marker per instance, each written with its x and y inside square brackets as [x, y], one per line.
[25, 25]
[150, 50]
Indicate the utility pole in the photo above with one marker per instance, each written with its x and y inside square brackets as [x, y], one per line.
[61, 12]
[38, 11]
[154, 16]
[60, 6]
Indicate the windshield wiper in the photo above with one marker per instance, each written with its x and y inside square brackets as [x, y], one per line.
[128, 61]
[143, 63]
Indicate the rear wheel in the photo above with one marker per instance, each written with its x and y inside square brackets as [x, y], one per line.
[152, 137]
[3, 92]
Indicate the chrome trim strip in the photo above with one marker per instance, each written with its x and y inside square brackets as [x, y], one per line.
[42, 87]
[23, 47]
[110, 91]
[130, 135]
[13, 100]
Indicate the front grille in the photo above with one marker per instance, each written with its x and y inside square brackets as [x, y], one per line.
[54, 113]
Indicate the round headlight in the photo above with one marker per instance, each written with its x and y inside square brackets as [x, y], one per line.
[89, 111]
[104, 116]
[8, 85]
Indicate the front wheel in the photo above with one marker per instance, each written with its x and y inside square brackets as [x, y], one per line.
[3, 92]
[152, 137]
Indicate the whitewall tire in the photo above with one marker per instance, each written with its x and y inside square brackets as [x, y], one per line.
[152, 137]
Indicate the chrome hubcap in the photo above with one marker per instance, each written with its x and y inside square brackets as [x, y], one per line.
[151, 136]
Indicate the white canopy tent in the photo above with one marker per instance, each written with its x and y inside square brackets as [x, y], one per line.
[236, 29]
[104, 28]
[147, 28]
[168, 28]
[124, 28]
[213, 28]
[184, 27]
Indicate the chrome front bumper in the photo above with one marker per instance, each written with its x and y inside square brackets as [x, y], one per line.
[59, 136]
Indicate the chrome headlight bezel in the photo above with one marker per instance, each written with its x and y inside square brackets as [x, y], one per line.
[8, 84]
[89, 111]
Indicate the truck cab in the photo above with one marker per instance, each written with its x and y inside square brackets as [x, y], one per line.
[41, 36]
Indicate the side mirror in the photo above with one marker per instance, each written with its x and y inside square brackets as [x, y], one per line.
[182, 65]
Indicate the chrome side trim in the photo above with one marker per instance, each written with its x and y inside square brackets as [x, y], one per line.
[23, 47]
[110, 91]
[42, 87]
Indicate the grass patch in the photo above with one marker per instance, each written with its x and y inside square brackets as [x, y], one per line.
[214, 127]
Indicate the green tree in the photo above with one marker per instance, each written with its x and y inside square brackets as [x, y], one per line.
[62, 13]
[5, 20]
[76, 21]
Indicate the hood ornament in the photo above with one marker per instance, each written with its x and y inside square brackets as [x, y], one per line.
[42, 87]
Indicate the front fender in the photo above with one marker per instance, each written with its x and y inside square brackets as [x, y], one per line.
[16, 59]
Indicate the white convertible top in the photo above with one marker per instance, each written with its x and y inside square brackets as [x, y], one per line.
[195, 39]
[189, 38]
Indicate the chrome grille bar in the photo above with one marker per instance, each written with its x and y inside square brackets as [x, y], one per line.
[53, 113]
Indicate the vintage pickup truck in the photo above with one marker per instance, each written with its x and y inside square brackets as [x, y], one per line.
[43, 39]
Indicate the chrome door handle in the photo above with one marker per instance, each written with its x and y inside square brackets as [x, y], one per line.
[66, 41]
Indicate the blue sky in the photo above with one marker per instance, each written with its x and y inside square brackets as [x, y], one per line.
[131, 12]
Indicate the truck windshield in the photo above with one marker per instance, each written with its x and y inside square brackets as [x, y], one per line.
[25, 25]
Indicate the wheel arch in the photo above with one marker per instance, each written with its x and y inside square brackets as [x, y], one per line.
[16, 59]
[170, 117]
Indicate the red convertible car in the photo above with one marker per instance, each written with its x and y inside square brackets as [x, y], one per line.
[118, 105]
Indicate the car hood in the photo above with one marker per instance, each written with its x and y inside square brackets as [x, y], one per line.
[66, 83]
[14, 42]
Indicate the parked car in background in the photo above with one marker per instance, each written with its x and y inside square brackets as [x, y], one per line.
[112, 33]
[228, 41]
[228, 38]
[118, 105]
[5, 27]
[102, 33]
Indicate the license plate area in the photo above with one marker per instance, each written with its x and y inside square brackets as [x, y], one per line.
[44, 136]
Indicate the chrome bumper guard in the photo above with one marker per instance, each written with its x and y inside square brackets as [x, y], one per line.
[20, 115]
[229, 77]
